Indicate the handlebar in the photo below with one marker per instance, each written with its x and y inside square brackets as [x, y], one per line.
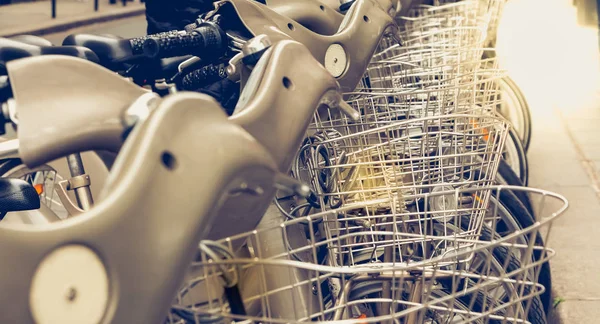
[204, 76]
[345, 54]
[137, 44]
[208, 42]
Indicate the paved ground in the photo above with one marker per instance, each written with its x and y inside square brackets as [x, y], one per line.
[35, 17]
[129, 27]
[562, 84]
[564, 157]
[559, 157]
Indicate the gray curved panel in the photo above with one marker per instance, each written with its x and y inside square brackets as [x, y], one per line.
[67, 105]
[154, 210]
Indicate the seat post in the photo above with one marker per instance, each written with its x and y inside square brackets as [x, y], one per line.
[79, 182]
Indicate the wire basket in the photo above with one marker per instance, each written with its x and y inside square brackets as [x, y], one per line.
[452, 13]
[453, 30]
[437, 65]
[401, 160]
[458, 14]
[448, 41]
[431, 85]
[286, 275]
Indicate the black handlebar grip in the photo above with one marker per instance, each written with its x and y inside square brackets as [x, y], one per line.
[137, 44]
[207, 42]
[205, 76]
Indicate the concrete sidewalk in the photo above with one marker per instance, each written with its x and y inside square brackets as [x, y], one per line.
[36, 18]
[565, 155]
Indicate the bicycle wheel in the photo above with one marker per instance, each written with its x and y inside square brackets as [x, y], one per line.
[513, 216]
[514, 107]
[44, 177]
[515, 157]
[506, 176]
[372, 290]
[502, 260]
[48, 175]
[502, 254]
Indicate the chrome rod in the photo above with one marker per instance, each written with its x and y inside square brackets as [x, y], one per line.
[82, 192]
[9, 149]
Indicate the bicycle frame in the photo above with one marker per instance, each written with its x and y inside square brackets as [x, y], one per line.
[345, 54]
[90, 112]
[312, 14]
[278, 107]
[245, 172]
[162, 156]
[276, 112]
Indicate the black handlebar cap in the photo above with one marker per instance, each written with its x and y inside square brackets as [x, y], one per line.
[208, 41]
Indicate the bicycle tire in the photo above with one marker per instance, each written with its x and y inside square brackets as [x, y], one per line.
[14, 168]
[537, 313]
[523, 110]
[524, 219]
[506, 176]
[8, 164]
[522, 169]
[373, 289]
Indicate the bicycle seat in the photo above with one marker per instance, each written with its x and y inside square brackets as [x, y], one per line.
[76, 51]
[12, 50]
[16, 195]
[32, 40]
[109, 49]
[111, 36]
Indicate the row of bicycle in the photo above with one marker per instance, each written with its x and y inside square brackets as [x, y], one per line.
[273, 162]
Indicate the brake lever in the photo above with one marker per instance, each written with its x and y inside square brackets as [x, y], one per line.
[188, 63]
[251, 51]
[235, 67]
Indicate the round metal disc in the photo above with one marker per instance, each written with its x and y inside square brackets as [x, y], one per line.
[69, 286]
[336, 60]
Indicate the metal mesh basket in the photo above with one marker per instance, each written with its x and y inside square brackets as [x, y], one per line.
[427, 66]
[444, 41]
[284, 274]
[452, 31]
[458, 14]
[452, 13]
[401, 160]
[429, 86]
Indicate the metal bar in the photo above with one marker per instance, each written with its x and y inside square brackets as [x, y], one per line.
[53, 4]
[83, 194]
[9, 149]
[415, 297]
[386, 292]
[95, 5]
[75, 165]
